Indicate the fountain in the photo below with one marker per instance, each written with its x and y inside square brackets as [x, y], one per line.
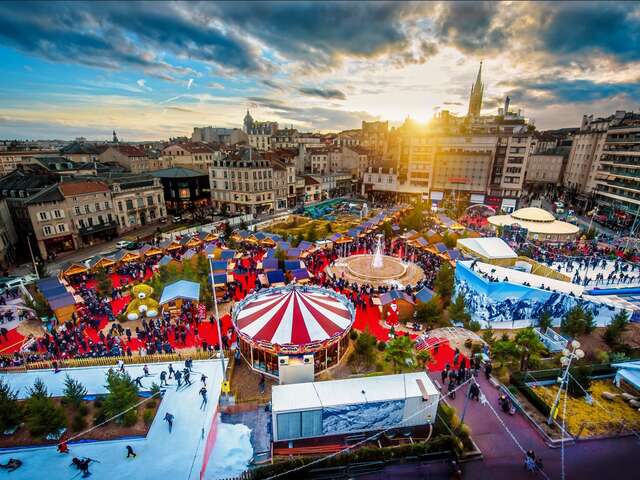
[376, 269]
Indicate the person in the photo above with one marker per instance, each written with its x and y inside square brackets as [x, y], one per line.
[169, 419]
[130, 452]
[171, 370]
[530, 462]
[474, 391]
[262, 383]
[444, 374]
[487, 370]
[163, 378]
[452, 392]
[203, 379]
[11, 465]
[145, 369]
[138, 382]
[187, 376]
[63, 447]
[203, 392]
[121, 366]
[178, 375]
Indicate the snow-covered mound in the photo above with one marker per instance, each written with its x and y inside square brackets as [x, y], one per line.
[231, 453]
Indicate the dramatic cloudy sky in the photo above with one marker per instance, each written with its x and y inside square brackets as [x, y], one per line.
[152, 70]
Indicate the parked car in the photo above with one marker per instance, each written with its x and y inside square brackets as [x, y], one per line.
[176, 219]
[9, 283]
[123, 244]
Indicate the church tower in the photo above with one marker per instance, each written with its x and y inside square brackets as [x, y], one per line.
[248, 123]
[475, 99]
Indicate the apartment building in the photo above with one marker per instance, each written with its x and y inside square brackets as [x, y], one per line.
[195, 156]
[132, 159]
[138, 200]
[546, 168]
[618, 178]
[8, 237]
[584, 157]
[375, 136]
[222, 136]
[10, 160]
[242, 182]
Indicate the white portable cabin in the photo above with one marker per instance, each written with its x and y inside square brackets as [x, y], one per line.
[337, 407]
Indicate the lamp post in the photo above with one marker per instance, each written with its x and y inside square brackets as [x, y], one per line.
[567, 357]
[215, 304]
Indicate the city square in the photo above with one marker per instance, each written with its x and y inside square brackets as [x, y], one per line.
[259, 240]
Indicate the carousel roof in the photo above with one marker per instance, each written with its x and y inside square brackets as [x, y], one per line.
[293, 316]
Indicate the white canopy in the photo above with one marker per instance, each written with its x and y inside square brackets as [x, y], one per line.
[490, 247]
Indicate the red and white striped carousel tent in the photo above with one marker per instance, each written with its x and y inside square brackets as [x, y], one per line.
[293, 320]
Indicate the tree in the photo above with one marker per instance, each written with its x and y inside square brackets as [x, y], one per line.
[579, 381]
[329, 227]
[299, 238]
[387, 230]
[458, 311]
[123, 394]
[312, 233]
[10, 410]
[545, 321]
[577, 321]
[74, 392]
[504, 350]
[616, 328]
[227, 230]
[39, 304]
[487, 336]
[448, 240]
[104, 283]
[424, 357]
[43, 416]
[528, 345]
[280, 254]
[443, 283]
[430, 313]
[41, 269]
[399, 352]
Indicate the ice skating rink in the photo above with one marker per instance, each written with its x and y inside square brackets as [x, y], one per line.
[160, 454]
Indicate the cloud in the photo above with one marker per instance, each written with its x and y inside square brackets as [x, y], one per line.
[545, 91]
[215, 85]
[583, 28]
[329, 93]
[189, 83]
[452, 103]
[313, 117]
[142, 83]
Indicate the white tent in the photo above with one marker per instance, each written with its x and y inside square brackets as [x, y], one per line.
[489, 248]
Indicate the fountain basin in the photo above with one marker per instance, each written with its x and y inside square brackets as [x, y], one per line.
[393, 272]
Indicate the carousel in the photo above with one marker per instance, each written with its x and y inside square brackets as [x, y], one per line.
[294, 320]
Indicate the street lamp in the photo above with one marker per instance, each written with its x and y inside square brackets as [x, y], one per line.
[568, 355]
[215, 304]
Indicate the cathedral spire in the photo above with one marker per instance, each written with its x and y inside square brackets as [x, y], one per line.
[475, 99]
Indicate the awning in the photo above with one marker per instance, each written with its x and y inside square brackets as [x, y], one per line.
[182, 289]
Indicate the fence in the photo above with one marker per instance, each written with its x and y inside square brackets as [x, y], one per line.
[104, 361]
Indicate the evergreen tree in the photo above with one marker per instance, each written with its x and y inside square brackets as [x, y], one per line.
[577, 321]
[529, 345]
[312, 234]
[43, 416]
[579, 381]
[74, 392]
[430, 313]
[10, 410]
[487, 336]
[458, 311]
[544, 321]
[443, 283]
[616, 328]
[104, 284]
[39, 304]
[123, 394]
[424, 357]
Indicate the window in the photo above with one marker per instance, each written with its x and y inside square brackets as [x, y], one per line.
[120, 206]
[58, 214]
[43, 215]
[87, 209]
[100, 219]
[90, 221]
[140, 202]
[132, 220]
[299, 424]
[47, 230]
[62, 228]
[150, 200]
[129, 204]
[106, 205]
[77, 210]
[97, 207]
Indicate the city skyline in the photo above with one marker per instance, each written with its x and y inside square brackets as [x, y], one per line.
[84, 69]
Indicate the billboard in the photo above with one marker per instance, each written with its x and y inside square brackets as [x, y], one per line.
[511, 305]
[362, 417]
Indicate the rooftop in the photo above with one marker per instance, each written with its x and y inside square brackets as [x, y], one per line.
[84, 187]
[177, 172]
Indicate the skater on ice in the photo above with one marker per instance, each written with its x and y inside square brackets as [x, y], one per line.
[145, 369]
[178, 376]
[163, 378]
[171, 370]
[203, 392]
[138, 382]
[130, 452]
[169, 419]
